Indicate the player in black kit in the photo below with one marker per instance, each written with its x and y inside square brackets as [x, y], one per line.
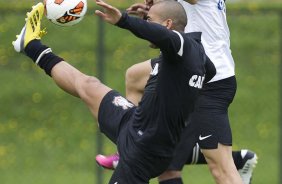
[145, 135]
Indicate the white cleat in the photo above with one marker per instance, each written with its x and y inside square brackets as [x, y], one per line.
[249, 163]
[19, 43]
[31, 29]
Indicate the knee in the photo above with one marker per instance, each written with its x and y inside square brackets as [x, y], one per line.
[130, 77]
[167, 175]
[89, 82]
[87, 86]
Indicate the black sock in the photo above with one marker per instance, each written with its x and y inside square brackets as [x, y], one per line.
[235, 154]
[237, 159]
[172, 181]
[42, 55]
[197, 157]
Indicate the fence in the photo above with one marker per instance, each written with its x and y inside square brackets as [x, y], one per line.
[49, 137]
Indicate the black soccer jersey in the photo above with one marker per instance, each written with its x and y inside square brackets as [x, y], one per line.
[172, 88]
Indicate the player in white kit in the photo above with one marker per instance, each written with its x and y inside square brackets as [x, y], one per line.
[209, 127]
[211, 122]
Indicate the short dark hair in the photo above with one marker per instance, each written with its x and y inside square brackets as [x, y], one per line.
[171, 9]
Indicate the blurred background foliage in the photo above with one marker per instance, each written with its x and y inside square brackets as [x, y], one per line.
[47, 136]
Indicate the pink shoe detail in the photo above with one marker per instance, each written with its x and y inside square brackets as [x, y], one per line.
[108, 162]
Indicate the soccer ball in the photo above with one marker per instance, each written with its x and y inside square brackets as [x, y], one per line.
[65, 12]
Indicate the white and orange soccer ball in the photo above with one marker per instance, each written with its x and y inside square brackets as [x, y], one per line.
[65, 12]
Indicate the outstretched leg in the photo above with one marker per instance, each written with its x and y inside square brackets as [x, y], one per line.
[71, 80]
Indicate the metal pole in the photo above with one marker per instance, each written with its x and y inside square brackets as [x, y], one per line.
[100, 75]
[280, 113]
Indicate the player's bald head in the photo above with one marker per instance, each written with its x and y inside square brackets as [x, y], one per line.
[171, 9]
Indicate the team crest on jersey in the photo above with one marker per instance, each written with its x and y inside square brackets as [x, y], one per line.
[221, 5]
[119, 101]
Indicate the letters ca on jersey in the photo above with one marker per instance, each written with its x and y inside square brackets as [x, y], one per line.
[196, 81]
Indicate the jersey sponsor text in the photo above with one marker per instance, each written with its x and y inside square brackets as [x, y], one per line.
[196, 81]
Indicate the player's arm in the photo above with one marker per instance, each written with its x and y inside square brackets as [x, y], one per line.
[141, 9]
[157, 34]
[165, 39]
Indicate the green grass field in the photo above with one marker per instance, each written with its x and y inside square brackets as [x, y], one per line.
[47, 136]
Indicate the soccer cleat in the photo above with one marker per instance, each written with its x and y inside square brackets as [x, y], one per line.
[249, 162]
[108, 162]
[31, 29]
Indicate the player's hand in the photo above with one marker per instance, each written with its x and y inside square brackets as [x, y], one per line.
[138, 9]
[110, 14]
[149, 3]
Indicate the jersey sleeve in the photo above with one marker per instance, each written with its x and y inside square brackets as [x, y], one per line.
[169, 42]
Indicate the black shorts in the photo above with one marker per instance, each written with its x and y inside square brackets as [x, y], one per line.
[184, 149]
[209, 123]
[135, 165]
[137, 168]
[114, 111]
